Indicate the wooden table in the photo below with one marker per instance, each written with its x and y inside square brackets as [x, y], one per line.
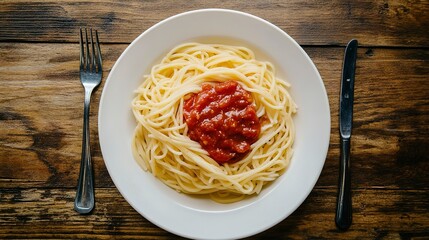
[41, 108]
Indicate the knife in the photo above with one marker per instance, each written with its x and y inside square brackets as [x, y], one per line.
[343, 217]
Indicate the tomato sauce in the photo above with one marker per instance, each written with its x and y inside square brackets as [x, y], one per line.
[222, 118]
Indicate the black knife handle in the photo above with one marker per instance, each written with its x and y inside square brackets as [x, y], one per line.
[343, 218]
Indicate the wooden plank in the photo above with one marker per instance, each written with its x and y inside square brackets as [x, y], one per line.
[42, 127]
[391, 116]
[373, 23]
[40, 137]
[48, 213]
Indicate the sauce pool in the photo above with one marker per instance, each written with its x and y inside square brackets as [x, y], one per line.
[222, 118]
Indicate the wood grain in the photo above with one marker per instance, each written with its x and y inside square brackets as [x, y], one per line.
[373, 23]
[378, 214]
[41, 115]
[41, 128]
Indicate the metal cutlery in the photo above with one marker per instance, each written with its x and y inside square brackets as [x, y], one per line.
[343, 218]
[91, 72]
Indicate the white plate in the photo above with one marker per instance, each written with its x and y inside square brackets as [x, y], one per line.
[202, 218]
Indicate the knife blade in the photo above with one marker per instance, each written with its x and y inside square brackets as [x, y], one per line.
[343, 217]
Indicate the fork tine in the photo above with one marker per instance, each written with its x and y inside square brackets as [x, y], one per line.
[100, 61]
[93, 53]
[82, 63]
[87, 50]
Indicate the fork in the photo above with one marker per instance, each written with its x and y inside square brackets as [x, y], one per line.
[90, 76]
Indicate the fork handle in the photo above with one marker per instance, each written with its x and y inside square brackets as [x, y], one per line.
[84, 201]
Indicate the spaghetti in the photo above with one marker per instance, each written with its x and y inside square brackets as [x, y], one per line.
[161, 143]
